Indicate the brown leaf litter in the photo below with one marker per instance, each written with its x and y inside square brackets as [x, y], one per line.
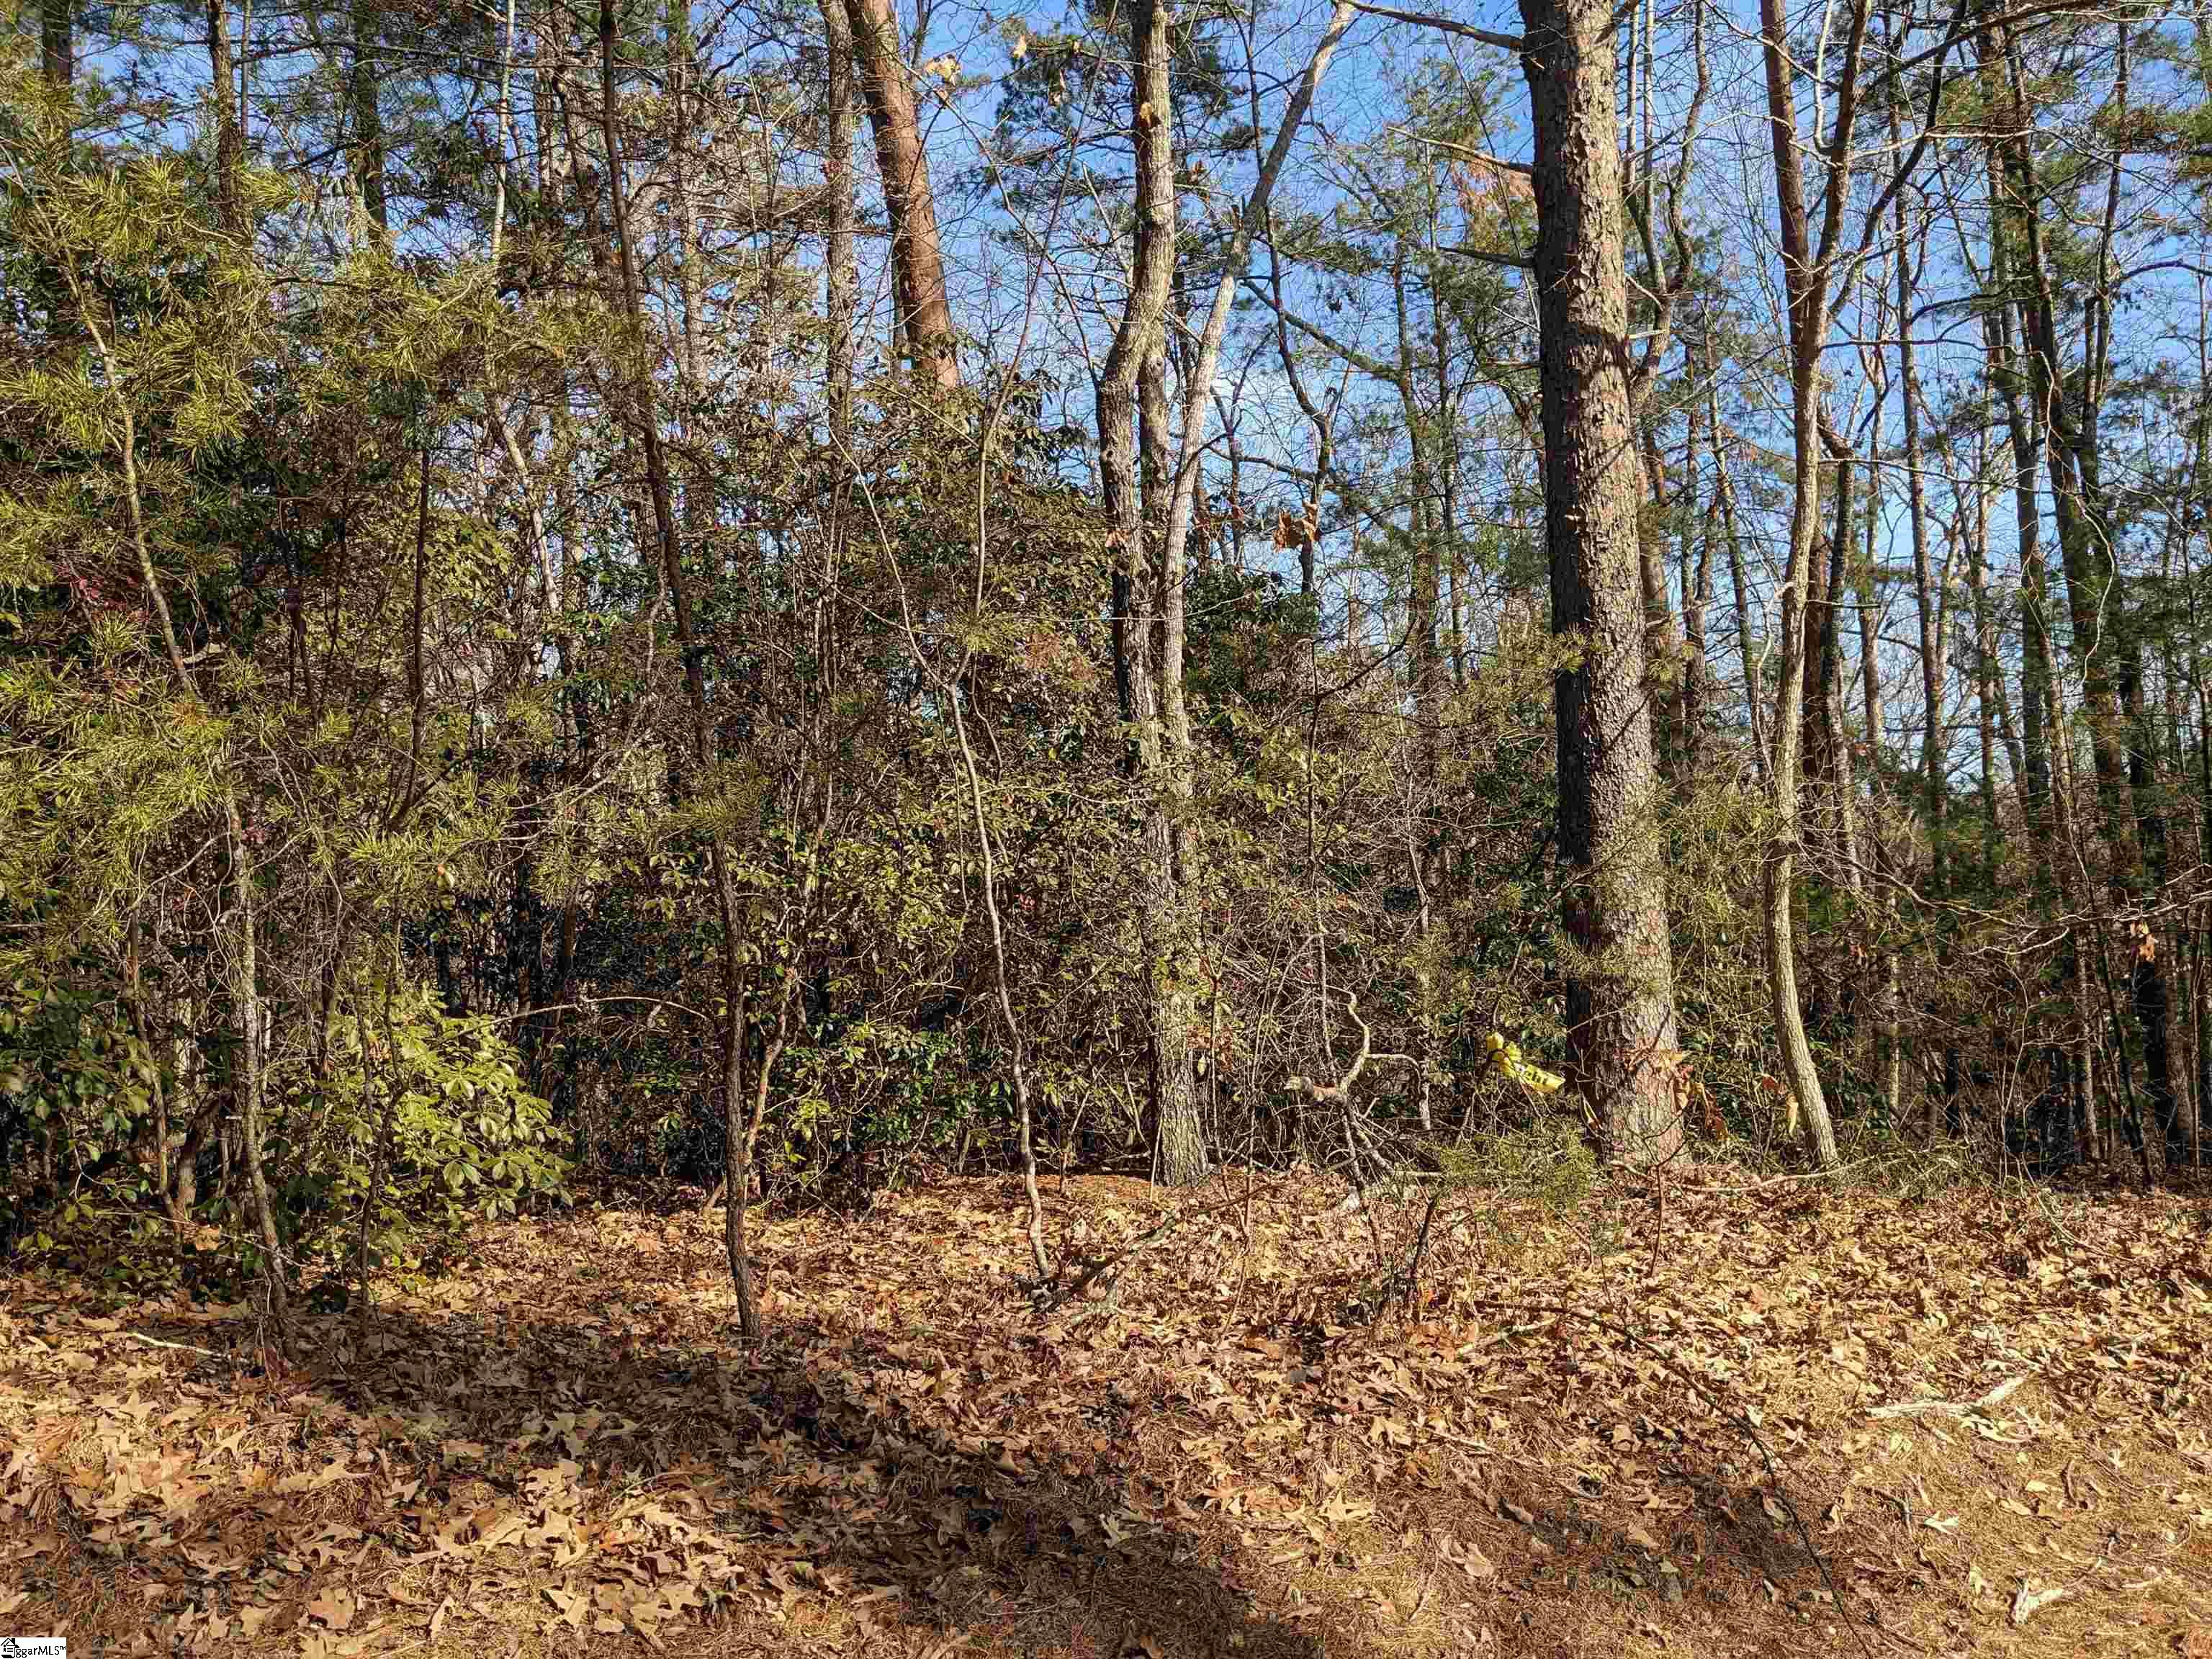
[1987, 1413]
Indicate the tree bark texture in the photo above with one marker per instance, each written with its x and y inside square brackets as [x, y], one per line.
[924, 313]
[1136, 508]
[1620, 997]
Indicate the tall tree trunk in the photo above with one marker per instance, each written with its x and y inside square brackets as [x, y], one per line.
[1825, 780]
[2063, 1134]
[1134, 495]
[1423, 597]
[1889, 1047]
[1806, 292]
[2103, 631]
[365, 108]
[557, 142]
[1825, 682]
[1620, 996]
[230, 196]
[2037, 711]
[683, 97]
[2152, 999]
[925, 312]
[844, 289]
[229, 139]
[737, 1138]
[57, 41]
[1182, 1159]
[1934, 792]
[2091, 578]
[1425, 664]
[1197, 368]
[1928, 603]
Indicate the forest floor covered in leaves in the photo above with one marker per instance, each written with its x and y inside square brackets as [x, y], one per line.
[1249, 1440]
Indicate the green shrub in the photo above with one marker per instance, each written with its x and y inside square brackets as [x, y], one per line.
[426, 1120]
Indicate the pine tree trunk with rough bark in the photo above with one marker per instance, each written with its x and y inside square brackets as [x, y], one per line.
[925, 312]
[365, 110]
[1621, 998]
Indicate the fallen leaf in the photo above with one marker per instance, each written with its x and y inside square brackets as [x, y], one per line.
[2030, 1600]
[334, 1607]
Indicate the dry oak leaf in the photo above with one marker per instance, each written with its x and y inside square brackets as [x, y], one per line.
[334, 1607]
[569, 1604]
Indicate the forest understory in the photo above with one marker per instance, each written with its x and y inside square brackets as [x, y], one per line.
[1887, 1414]
[878, 603]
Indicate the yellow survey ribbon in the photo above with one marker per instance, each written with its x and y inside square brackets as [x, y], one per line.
[1525, 1072]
